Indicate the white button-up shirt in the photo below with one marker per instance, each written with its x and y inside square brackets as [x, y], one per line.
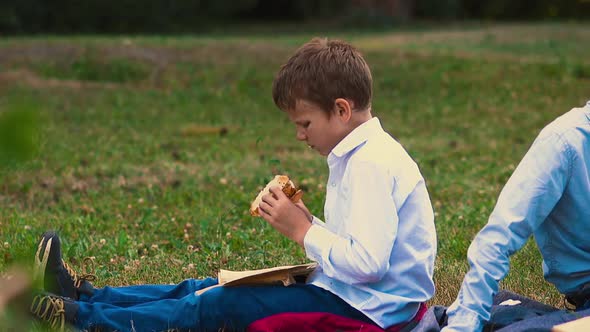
[376, 249]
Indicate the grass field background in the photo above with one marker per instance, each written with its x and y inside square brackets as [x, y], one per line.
[150, 149]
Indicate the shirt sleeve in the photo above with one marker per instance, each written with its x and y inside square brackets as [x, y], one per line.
[361, 253]
[526, 200]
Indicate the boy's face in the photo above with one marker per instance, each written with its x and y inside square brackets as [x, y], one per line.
[313, 126]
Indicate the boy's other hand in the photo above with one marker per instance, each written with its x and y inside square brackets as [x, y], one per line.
[304, 208]
[286, 217]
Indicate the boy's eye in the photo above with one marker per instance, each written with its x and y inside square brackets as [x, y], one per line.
[305, 124]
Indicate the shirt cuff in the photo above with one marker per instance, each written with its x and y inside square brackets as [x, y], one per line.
[463, 321]
[317, 241]
[316, 221]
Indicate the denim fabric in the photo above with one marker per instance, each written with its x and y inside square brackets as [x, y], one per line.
[434, 319]
[163, 307]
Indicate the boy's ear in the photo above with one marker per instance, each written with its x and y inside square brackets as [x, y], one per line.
[343, 109]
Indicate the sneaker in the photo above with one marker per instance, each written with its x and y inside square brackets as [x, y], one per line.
[56, 311]
[57, 276]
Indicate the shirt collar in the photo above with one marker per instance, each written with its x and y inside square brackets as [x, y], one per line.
[357, 137]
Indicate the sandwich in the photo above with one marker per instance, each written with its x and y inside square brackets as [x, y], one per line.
[285, 184]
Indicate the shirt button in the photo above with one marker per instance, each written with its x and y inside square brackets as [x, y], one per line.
[333, 184]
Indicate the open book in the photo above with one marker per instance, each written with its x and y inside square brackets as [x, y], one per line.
[275, 275]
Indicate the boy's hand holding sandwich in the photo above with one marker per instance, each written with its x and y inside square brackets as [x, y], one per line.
[280, 204]
[284, 215]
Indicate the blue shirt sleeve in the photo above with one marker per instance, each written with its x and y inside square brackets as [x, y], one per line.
[528, 197]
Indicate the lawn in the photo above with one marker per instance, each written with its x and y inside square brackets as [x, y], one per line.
[150, 149]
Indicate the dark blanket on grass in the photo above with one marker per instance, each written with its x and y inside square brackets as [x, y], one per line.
[529, 315]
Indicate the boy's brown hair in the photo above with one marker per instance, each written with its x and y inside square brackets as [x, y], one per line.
[321, 71]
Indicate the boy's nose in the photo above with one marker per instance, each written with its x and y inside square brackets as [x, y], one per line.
[301, 135]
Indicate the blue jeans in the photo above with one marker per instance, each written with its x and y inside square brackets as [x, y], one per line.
[162, 307]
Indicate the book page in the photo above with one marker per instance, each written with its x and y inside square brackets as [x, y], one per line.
[282, 274]
[275, 275]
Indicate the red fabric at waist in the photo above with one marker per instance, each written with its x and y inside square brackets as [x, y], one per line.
[323, 322]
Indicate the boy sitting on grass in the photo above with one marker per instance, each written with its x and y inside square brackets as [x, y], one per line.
[375, 251]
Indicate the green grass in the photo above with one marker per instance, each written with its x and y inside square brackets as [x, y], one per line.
[133, 168]
[88, 68]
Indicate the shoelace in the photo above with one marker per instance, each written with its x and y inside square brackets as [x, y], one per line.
[49, 309]
[84, 276]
